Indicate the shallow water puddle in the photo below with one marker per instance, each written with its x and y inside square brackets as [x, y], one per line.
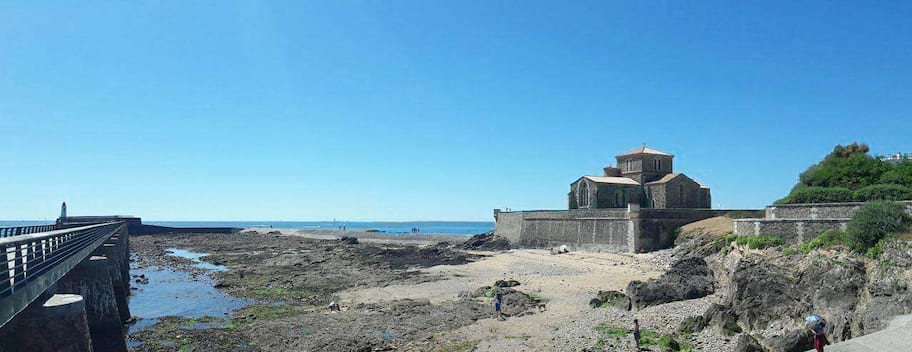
[177, 293]
[195, 257]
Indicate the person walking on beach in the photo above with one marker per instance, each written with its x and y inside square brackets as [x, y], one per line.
[636, 333]
[498, 303]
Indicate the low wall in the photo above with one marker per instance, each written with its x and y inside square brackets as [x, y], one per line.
[819, 210]
[610, 230]
[797, 223]
[791, 230]
[589, 229]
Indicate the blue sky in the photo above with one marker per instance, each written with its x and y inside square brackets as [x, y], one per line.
[428, 110]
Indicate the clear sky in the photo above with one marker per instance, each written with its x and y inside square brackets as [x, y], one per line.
[429, 110]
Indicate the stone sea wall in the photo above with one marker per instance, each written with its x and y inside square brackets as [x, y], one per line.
[608, 230]
[818, 210]
[798, 223]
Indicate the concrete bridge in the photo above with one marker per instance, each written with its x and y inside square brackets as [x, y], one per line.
[64, 287]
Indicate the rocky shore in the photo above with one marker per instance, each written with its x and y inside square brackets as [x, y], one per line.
[706, 294]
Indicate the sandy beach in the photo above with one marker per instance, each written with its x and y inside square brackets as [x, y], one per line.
[401, 292]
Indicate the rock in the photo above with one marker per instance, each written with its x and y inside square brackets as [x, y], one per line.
[614, 299]
[560, 250]
[486, 241]
[747, 343]
[348, 240]
[688, 278]
[691, 325]
[517, 304]
[506, 283]
[723, 319]
[798, 340]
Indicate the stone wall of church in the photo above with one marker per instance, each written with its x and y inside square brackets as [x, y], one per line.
[609, 230]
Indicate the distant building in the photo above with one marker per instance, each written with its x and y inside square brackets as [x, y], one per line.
[897, 158]
[643, 176]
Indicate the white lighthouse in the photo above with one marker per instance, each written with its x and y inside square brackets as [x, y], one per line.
[63, 211]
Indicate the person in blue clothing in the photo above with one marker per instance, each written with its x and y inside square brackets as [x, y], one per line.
[498, 304]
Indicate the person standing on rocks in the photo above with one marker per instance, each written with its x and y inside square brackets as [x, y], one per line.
[636, 333]
[498, 303]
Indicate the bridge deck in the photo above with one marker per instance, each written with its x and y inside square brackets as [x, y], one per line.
[31, 263]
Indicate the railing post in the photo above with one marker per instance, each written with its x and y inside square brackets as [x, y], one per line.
[4, 272]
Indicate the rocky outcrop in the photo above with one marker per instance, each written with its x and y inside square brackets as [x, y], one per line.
[766, 294]
[688, 278]
[486, 242]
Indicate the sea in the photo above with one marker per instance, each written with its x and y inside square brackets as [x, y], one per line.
[464, 228]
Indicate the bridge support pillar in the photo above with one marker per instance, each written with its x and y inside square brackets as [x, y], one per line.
[57, 324]
[119, 279]
[122, 242]
[92, 279]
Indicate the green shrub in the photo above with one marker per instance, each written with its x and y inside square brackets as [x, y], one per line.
[824, 240]
[803, 195]
[847, 167]
[883, 192]
[900, 175]
[724, 241]
[759, 242]
[874, 222]
[875, 251]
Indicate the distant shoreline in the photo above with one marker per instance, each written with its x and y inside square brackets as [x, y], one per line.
[396, 228]
[376, 237]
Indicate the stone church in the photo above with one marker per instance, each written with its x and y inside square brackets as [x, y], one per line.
[643, 176]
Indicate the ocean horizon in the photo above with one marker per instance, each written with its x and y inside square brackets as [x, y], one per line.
[465, 228]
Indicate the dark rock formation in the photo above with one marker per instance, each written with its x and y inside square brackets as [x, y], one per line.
[486, 242]
[688, 278]
[348, 240]
[747, 343]
[798, 340]
[506, 283]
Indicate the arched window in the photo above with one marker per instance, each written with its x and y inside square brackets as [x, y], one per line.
[582, 194]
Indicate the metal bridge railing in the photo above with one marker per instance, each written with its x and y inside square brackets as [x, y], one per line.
[25, 230]
[30, 263]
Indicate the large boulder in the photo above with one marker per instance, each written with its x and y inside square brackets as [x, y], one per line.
[797, 340]
[722, 318]
[486, 242]
[761, 292]
[688, 278]
[747, 343]
[888, 286]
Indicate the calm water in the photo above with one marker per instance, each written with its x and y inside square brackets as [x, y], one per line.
[195, 257]
[467, 228]
[426, 227]
[178, 293]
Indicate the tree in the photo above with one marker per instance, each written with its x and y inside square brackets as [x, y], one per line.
[874, 222]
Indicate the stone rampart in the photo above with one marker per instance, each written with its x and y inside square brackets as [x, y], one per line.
[797, 223]
[791, 230]
[609, 230]
[818, 210]
[591, 229]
